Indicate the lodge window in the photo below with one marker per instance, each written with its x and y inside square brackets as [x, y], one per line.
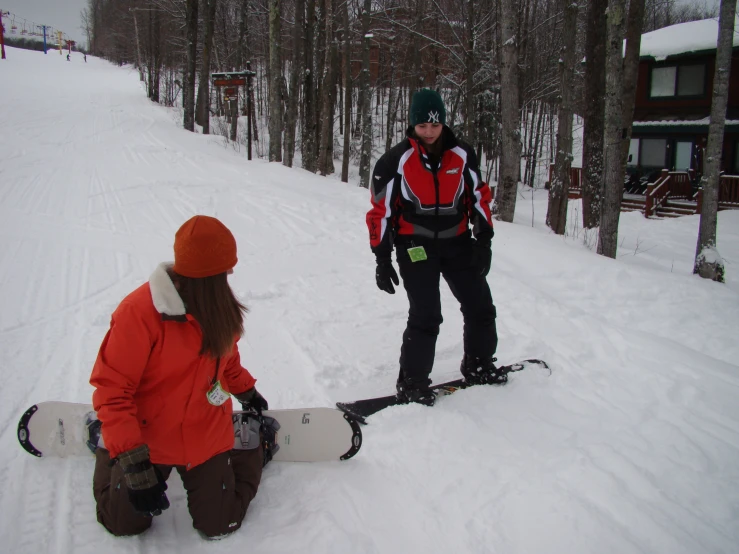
[655, 153]
[678, 81]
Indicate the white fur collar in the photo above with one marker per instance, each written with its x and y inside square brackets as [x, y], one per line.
[163, 292]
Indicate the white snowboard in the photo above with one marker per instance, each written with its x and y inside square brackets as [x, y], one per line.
[58, 429]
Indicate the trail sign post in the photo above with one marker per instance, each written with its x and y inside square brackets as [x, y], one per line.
[230, 81]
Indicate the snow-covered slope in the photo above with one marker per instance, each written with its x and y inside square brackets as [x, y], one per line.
[630, 446]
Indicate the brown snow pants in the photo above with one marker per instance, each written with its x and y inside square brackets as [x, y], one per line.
[218, 492]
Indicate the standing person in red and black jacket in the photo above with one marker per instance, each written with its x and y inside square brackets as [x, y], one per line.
[426, 193]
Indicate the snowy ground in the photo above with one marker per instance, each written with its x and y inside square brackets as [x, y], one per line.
[630, 446]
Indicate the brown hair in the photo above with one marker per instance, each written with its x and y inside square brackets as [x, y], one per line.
[212, 303]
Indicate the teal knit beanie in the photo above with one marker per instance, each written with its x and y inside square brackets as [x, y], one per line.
[427, 107]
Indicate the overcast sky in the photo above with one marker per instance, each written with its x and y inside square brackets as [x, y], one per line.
[63, 15]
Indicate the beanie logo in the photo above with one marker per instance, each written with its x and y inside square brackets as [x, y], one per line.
[433, 117]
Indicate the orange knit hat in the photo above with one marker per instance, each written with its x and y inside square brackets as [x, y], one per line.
[203, 247]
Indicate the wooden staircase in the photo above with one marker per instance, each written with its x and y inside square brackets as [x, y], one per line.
[669, 208]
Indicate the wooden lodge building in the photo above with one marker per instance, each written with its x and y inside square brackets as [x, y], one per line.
[671, 119]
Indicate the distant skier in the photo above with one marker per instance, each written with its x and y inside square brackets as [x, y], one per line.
[426, 191]
[85, 56]
[163, 379]
[68, 57]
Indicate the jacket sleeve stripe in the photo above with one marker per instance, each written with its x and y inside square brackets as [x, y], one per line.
[383, 197]
[480, 190]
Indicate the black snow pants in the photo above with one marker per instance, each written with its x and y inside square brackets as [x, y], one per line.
[452, 259]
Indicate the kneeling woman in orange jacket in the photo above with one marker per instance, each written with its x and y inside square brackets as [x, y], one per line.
[163, 379]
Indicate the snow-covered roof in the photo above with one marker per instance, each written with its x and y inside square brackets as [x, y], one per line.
[686, 122]
[693, 36]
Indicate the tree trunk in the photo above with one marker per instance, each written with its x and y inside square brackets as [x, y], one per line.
[347, 94]
[708, 262]
[631, 70]
[560, 187]
[595, 91]
[295, 77]
[392, 104]
[614, 164]
[243, 51]
[188, 79]
[203, 102]
[469, 62]
[505, 197]
[366, 153]
[308, 142]
[329, 92]
[155, 56]
[275, 82]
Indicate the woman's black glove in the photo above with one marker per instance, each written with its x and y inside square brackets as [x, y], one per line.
[252, 400]
[385, 275]
[144, 481]
[482, 255]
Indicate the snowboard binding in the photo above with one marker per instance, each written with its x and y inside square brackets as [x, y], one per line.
[252, 429]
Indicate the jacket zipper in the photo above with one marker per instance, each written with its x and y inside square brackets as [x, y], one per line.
[436, 210]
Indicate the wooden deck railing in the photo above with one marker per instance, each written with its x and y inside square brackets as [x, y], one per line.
[728, 192]
[657, 192]
[675, 184]
[681, 185]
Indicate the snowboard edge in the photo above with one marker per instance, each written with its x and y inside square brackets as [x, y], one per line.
[356, 437]
[24, 436]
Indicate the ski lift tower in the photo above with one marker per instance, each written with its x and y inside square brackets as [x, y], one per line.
[43, 28]
[2, 34]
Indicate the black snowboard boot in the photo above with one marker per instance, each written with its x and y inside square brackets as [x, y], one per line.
[94, 432]
[482, 371]
[410, 390]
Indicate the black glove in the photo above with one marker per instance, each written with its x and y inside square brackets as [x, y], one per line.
[385, 275]
[144, 481]
[482, 256]
[252, 400]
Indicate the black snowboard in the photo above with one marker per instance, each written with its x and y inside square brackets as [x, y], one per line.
[361, 409]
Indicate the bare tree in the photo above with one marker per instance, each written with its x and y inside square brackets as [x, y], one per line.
[594, 107]
[329, 93]
[296, 68]
[203, 101]
[347, 92]
[308, 142]
[275, 83]
[708, 262]
[559, 189]
[188, 85]
[366, 152]
[505, 197]
[631, 69]
[613, 167]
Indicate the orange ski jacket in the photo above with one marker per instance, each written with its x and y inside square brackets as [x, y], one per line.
[151, 382]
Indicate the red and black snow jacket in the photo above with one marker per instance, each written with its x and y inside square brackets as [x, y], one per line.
[417, 194]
